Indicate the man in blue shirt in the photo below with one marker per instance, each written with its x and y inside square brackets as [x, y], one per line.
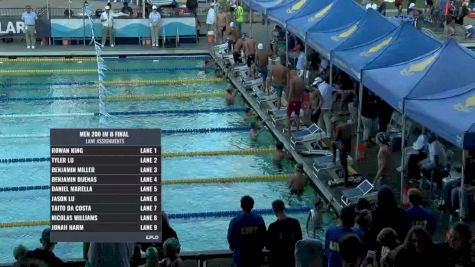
[246, 236]
[29, 17]
[419, 215]
[335, 233]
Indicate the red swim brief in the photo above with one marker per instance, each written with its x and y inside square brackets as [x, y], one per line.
[294, 107]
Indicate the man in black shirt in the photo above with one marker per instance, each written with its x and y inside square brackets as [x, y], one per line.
[127, 9]
[282, 236]
[45, 253]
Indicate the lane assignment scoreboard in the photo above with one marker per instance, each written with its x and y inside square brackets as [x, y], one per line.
[105, 185]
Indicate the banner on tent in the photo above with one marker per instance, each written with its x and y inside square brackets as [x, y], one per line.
[14, 26]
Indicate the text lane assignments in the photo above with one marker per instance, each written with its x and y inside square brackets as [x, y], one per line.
[105, 185]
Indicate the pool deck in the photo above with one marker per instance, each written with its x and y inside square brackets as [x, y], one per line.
[331, 196]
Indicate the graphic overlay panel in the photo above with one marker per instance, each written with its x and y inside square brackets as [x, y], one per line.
[105, 185]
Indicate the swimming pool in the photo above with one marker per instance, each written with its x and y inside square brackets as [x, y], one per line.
[24, 135]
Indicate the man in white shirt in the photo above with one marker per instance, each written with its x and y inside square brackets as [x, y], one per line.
[211, 18]
[325, 105]
[437, 157]
[300, 60]
[372, 5]
[29, 18]
[155, 20]
[107, 20]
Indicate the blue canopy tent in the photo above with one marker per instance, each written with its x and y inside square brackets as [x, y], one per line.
[450, 66]
[387, 49]
[325, 37]
[263, 5]
[443, 69]
[311, 16]
[290, 9]
[402, 44]
[451, 115]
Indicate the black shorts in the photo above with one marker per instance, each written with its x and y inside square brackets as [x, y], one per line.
[237, 57]
[458, 20]
[250, 60]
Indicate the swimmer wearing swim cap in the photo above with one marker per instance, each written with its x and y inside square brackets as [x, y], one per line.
[151, 257]
[171, 248]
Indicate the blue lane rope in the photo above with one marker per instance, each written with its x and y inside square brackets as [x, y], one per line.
[232, 213]
[158, 69]
[128, 113]
[24, 188]
[178, 111]
[158, 58]
[169, 132]
[9, 84]
[23, 160]
[55, 98]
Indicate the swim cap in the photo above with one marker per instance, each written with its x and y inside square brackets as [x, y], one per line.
[260, 46]
[19, 251]
[172, 244]
[382, 138]
[151, 253]
[299, 167]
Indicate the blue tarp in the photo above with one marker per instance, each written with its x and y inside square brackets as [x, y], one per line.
[263, 5]
[402, 44]
[319, 11]
[446, 68]
[326, 40]
[291, 9]
[450, 115]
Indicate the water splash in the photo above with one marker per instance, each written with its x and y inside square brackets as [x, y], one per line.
[101, 67]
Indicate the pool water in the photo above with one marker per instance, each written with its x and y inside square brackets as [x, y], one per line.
[194, 234]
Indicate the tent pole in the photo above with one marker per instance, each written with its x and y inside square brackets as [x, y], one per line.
[403, 140]
[305, 61]
[331, 73]
[462, 186]
[358, 127]
[84, 24]
[47, 9]
[143, 11]
[250, 19]
[267, 29]
[287, 50]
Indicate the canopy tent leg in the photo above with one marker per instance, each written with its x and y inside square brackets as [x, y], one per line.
[286, 49]
[250, 19]
[358, 123]
[462, 187]
[331, 73]
[403, 141]
[47, 9]
[305, 61]
[267, 30]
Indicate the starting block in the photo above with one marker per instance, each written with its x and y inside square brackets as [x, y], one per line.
[336, 176]
[349, 196]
